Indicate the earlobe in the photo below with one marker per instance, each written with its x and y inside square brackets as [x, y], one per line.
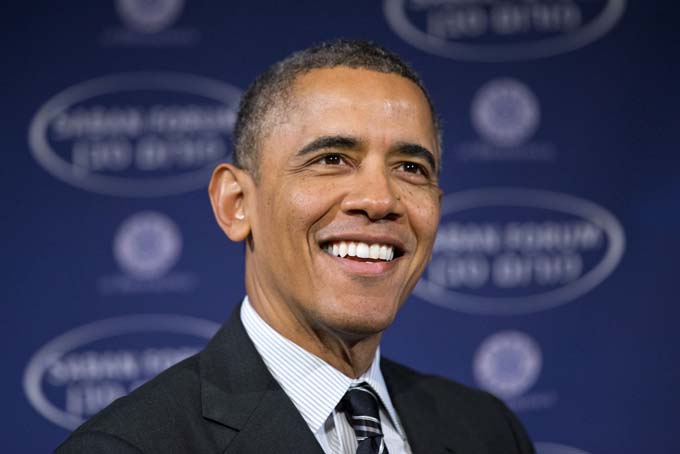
[227, 190]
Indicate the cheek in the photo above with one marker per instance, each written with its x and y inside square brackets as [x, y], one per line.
[301, 206]
[302, 202]
[424, 214]
[427, 228]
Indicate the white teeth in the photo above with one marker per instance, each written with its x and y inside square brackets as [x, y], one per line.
[363, 250]
[373, 251]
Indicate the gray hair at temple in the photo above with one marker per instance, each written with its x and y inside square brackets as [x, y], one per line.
[271, 89]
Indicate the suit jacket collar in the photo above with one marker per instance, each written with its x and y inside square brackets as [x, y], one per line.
[251, 411]
[252, 414]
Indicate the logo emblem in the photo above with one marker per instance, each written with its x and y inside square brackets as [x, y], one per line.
[505, 112]
[501, 30]
[83, 370]
[136, 134]
[507, 364]
[147, 245]
[149, 16]
[513, 250]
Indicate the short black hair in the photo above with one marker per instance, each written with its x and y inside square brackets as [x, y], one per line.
[272, 87]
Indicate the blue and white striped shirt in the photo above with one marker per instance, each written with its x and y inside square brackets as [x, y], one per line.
[316, 388]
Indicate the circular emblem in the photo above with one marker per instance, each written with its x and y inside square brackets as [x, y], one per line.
[147, 245]
[507, 363]
[505, 112]
[149, 16]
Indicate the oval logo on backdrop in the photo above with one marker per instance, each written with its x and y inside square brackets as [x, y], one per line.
[513, 250]
[80, 372]
[495, 30]
[136, 134]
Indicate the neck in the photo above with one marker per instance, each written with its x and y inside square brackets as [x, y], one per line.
[350, 353]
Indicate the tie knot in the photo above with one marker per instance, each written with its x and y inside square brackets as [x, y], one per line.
[361, 400]
[361, 407]
[361, 404]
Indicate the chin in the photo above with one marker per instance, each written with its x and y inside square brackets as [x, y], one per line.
[363, 318]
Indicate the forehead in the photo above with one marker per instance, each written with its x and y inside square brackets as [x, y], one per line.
[355, 84]
[343, 96]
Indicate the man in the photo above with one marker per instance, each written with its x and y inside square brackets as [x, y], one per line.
[334, 189]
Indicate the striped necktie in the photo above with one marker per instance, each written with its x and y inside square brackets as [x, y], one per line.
[361, 407]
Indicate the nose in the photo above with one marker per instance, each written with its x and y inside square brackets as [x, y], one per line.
[373, 194]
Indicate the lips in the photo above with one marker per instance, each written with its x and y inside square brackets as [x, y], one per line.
[360, 249]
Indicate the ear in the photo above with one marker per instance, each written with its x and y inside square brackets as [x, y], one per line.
[227, 190]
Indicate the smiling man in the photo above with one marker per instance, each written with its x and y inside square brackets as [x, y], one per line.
[334, 189]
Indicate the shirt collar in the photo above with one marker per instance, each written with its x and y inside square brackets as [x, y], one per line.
[314, 386]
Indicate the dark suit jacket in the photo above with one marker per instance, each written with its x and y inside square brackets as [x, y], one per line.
[224, 400]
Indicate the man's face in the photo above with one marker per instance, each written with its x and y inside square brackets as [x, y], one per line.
[345, 213]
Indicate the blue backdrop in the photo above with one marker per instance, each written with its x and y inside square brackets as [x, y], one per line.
[553, 277]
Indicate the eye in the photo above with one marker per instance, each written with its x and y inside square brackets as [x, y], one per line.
[330, 163]
[413, 167]
[331, 159]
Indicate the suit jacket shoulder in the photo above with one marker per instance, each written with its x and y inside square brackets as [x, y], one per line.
[440, 415]
[159, 416]
[221, 400]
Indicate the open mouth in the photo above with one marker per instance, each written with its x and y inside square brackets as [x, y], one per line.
[365, 252]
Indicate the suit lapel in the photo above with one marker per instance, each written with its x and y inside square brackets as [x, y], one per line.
[275, 427]
[428, 430]
[251, 411]
[416, 411]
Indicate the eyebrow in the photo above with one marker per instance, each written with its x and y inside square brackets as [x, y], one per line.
[348, 142]
[342, 142]
[417, 151]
